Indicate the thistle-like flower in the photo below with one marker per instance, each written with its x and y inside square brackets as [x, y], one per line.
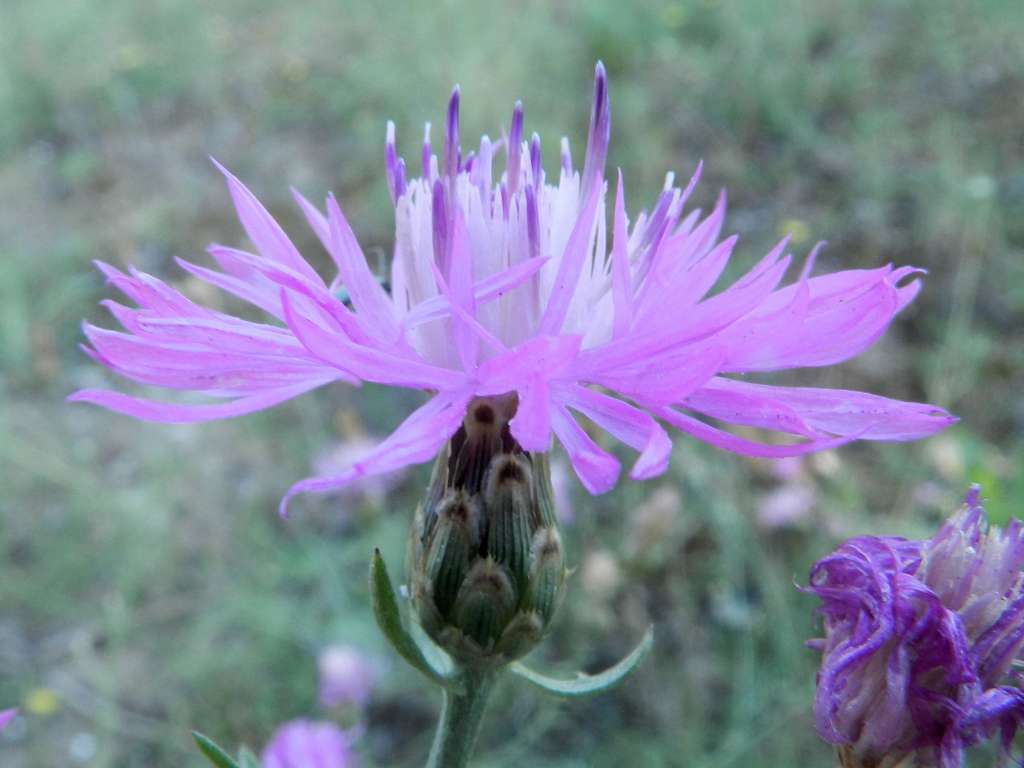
[920, 639]
[303, 743]
[518, 288]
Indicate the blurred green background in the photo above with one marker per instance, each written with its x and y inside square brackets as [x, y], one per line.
[148, 586]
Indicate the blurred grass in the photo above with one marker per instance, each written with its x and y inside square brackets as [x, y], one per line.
[147, 581]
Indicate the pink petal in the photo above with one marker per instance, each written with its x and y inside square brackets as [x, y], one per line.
[621, 289]
[663, 376]
[531, 426]
[676, 327]
[150, 292]
[571, 266]
[317, 222]
[416, 440]
[268, 301]
[172, 413]
[375, 311]
[265, 233]
[278, 277]
[907, 293]
[819, 329]
[630, 425]
[486, 290]
[720, 400]
[690, 284]
[261, 272]
[461, 293]
[734, 444]
[547, 357]
[367, 363]
[597, 469]
[221, 362]
[810, 411]
[675, 253]
[467, 324]
[222, 332]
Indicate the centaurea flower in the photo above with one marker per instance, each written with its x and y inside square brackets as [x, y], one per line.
[518, 286]
[920, 639]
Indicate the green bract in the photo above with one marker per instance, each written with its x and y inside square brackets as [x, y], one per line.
[487, 567]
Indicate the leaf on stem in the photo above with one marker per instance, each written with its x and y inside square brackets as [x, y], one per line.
[389, 619]
[587, 685]
[212, 752]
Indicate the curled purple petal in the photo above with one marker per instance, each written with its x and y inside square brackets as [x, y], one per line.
[919, 636]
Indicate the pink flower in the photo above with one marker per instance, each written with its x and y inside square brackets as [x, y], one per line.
[6, 716]
[345, 677]
[304, 744]
[519, 286]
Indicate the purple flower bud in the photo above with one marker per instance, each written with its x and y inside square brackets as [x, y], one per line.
[345, 677]
[919, 641]
[303, 743]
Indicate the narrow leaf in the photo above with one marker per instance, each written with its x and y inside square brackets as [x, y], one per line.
[587, 685]
[389, 619]
[212, 752]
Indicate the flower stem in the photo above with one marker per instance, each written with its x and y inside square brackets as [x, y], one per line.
[460, 720]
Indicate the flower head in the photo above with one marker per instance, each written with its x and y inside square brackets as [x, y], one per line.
[518, 285]
[919, 641]
[303, 743]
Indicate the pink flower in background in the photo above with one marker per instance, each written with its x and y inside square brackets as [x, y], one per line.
[521, 285]
[561, 479]
[345, 677]
[307, 744]
[6, 716]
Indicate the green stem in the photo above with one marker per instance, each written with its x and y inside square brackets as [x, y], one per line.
[460, 721]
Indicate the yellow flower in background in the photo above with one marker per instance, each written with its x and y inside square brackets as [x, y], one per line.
[42, 701]
[796, 229]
